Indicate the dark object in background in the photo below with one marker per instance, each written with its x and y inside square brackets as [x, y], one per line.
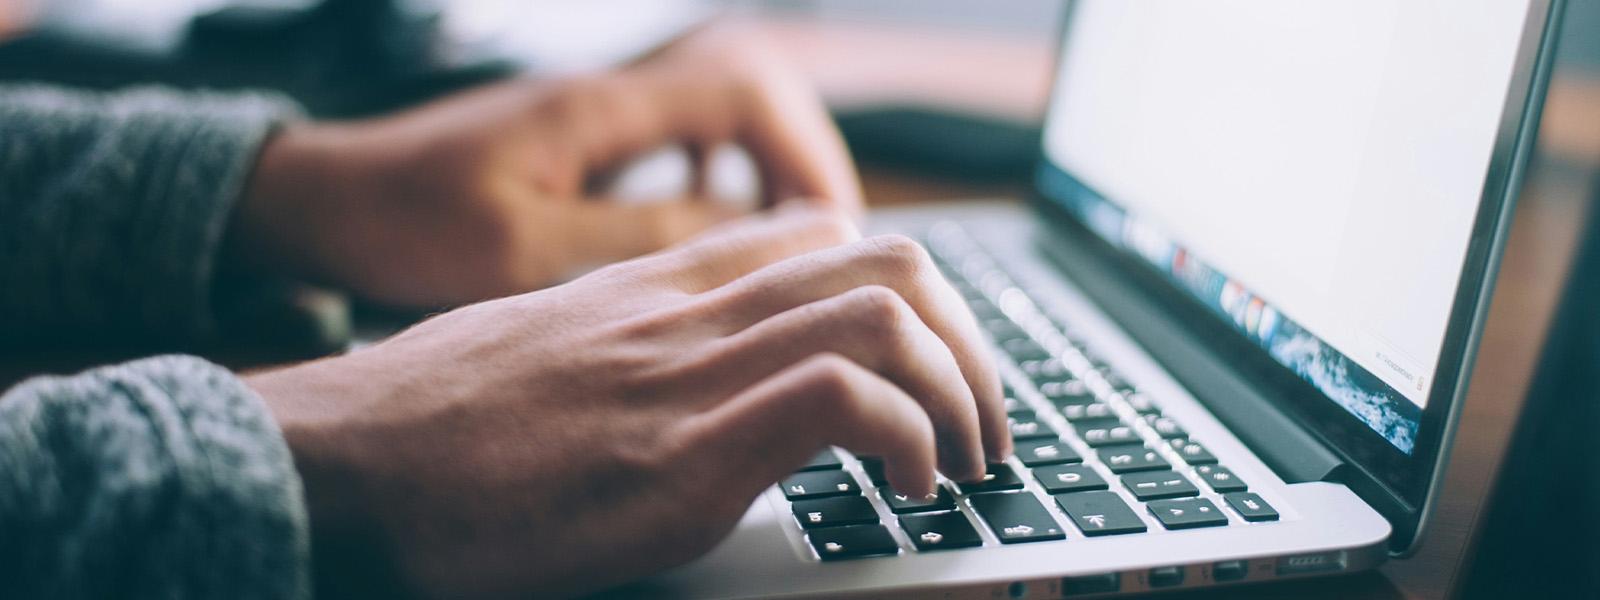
[958, 146]
[336, 57]
[1540, 537]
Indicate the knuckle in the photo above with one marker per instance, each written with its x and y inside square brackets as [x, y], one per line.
[570, 99]
[878, 309]
[899, 255]
[831, 226]
[831, 376]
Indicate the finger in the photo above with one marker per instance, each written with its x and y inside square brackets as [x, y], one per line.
[767, 108]
[896, 262]
[799, 148]
[770, 429]
[730, 252]
[874, 328]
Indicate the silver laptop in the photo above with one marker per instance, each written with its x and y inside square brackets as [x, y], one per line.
[1235, 324]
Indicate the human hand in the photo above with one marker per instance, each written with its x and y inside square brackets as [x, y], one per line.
[577, 437]
[489, 192]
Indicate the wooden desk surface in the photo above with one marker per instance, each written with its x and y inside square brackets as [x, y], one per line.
[1010, 78]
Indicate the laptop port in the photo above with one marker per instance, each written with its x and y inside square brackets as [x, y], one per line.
[1229, 570]
[1166, 576]
[1091, 584]
[1320, 562]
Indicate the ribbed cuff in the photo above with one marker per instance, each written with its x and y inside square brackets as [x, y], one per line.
[164, 477]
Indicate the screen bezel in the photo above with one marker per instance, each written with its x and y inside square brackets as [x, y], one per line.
[1400, 486]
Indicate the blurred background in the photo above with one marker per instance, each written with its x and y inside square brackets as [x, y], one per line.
[926, 86]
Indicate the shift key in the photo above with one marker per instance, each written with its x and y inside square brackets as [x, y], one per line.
[1016, 517]
[1100, 513]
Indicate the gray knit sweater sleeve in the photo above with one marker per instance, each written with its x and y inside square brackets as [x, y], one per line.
[159, 478]
[164, 477]
[113, 209]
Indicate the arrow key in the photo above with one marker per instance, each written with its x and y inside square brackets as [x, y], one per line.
[901, 504]
[1187, 513]
[940, 531]
[1100, 513]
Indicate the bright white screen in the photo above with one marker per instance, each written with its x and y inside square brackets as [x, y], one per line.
[1328, 154]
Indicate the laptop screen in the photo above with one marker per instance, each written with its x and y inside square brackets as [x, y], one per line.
[1311, 171]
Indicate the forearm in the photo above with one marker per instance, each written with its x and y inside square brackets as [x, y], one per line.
[165, 477]
[115, 207]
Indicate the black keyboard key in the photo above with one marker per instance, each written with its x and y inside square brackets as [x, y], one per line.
[1142, 403]
[1220, 479]
[851, 541]
[1096, 358]
[1015, 407]
[1023, 350]
[1100, 513]
[940, 531]
[1087, 412]
[1105, 432]
[1116, 381]
[1251, 507]
[832, 512]
[983, 309]
[901, 504]
[1158, 485]
[1061, 479]
[1003, 329]
[1132, 457]
[1192, 452]
[873, 467]
[824, 461]
[1187, 513]
[1000, 476]
[1017, 517]
[1038, 453]
[1066, 392]
[1029, 428]
[1166, 427]
[819, 484]
[1048, 369]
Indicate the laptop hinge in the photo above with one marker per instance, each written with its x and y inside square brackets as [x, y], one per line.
[1295, 454]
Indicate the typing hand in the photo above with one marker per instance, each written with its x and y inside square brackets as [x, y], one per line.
[488, 192]
[597, 431]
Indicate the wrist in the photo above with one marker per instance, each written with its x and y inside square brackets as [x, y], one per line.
[293, 196]
[297, 397]
[313, 406]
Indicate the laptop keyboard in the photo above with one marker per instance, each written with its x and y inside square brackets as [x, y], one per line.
[1093, 453]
